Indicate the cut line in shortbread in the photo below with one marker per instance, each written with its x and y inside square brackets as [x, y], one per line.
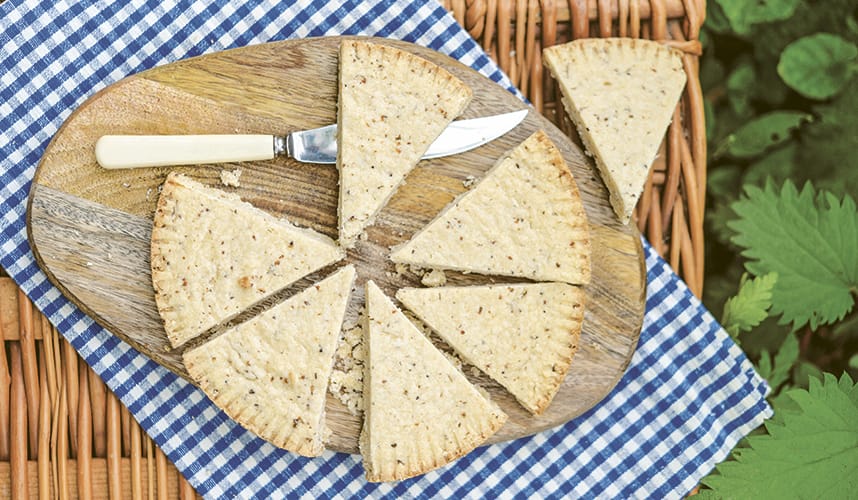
[271, 373]
[213, 255]
[522, 335]
[392, 106]
[420, 412]
[621, 94]
[524, 218]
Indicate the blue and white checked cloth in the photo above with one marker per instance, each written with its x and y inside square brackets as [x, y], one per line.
[689, 394]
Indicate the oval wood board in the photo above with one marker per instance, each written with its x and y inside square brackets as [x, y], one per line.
[90, 228]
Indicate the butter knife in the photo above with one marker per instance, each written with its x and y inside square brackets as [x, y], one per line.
[310, 146]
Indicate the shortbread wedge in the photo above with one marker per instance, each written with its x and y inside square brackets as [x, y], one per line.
[392, 106]
[270, 374]
[522, 335]
[420, 412]
[524, 218]
[213, 255]
[621, 94]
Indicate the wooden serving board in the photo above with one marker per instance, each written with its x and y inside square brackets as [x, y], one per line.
[90, 228]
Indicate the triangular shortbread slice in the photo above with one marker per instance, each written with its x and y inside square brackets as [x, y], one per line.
[392, 105]
[420, 412]
[522, 335]
[214, 255]
[271, 373]
[621, 94]
[524, 218]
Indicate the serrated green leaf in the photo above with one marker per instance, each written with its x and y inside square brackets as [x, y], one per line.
[750, 306]
[764, 132]
[810, 451]
[811, 245]
[818, 66]
[743, 14]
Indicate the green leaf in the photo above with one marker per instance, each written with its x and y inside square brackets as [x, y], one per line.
[716, 21]
[811, 243]
[778, 165]
[810, 451]
[711, 72]
[750, 306]
[785, 359]
[818, 66]
[830, 144]
[720, 287]
[769, 87]
[853, 361]
[764, 132]
[805, 372]
[740, 87]
[717, 217]
[722, 183]
[743, 14]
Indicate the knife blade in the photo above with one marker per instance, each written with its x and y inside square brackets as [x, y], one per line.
[310, 146]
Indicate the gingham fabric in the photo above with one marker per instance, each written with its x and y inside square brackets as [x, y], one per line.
[688, 396]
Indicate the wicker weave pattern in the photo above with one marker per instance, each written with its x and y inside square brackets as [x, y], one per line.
[670, 212]
[88, 446]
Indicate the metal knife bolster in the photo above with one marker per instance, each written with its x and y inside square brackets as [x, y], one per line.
[281, 145]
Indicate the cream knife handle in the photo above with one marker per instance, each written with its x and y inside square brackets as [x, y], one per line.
[132, 151]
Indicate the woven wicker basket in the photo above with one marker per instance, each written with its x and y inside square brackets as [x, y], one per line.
[63, 435]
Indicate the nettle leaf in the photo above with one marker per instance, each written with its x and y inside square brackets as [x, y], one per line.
[743, 14]
[810, 451]
[764, 132]
[750, 306]
[818, 66]
[809, 241]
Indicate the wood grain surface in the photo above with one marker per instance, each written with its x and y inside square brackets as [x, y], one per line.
[90, 228]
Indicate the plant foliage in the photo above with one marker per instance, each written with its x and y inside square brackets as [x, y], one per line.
[780, 81]
[810, 449]
[810, 241]
[750, 306]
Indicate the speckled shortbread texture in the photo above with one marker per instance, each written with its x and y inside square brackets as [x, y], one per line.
[522, 335]
[524, 218]
[271, 373]
[621, 94]
[420, 412]
[213, 255]
[392, 106]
